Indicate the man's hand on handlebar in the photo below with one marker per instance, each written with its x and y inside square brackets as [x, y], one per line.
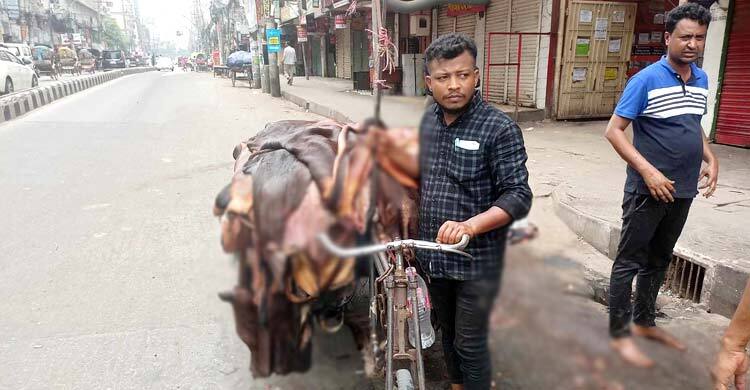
[451, 232]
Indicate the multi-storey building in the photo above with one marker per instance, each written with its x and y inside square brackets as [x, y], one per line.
[51, 22]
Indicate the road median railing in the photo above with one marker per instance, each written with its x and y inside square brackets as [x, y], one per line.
[17, 104]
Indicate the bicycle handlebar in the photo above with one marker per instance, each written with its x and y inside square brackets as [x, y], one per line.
[394, 245]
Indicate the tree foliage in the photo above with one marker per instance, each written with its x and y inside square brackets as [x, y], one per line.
[113, 36]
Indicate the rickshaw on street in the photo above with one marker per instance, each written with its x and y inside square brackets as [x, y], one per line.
[87, 61]
[68, 61]
[44, 61]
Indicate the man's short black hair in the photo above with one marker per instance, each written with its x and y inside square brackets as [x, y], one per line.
[690, 11]
[447, 47]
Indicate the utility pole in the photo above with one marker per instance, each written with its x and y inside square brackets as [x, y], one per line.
[265, 79]
[304, 60]
[273, 62]
[220, 35]
[258, 60]
[273, 58]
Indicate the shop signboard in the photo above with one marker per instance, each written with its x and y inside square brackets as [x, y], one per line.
[455, 10]
[301, 34]
[340, 22]
[273, 37]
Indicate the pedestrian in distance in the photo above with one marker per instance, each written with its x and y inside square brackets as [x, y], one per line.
[473, 181]
[289, 59]
[665, 103]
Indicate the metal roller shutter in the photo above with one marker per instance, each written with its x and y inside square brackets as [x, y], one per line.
[466, 24]
[497, 19]
[525, 18]
[733, 122]
[343, 53]
[445, 22]
[449, 24]
[512, 16]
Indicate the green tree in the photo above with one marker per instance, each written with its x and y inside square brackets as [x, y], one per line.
[113, 36]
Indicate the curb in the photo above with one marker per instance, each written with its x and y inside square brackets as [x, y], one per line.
[601, 234]
[723, 284]
[24, 102]
[316, 108]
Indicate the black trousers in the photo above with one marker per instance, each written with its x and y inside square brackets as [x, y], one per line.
[650, 229]
[463, 310]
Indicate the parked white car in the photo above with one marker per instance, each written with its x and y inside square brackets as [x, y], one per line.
[14, 74]
[164, 63]
[20, 50]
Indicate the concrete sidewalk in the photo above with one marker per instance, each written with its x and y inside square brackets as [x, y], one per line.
[334, 98]
[573, 163]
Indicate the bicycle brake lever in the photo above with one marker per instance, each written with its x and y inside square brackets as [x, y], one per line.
[458, 252]
[443, 248]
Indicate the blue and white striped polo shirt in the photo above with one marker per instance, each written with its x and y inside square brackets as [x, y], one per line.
[666, 114]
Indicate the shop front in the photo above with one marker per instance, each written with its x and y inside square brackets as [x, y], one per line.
[605, 43]
[733, 121]
[506, 23]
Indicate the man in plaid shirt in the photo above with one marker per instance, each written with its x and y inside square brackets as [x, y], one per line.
[473, 181]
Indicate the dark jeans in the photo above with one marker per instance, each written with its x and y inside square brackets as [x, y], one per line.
[463, 310]
[650, 229]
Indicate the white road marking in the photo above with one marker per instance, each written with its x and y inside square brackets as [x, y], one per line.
[97, 206]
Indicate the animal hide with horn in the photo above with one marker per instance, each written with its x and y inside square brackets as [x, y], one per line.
[292, 181]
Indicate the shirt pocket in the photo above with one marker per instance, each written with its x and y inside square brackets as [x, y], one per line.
[466, 166]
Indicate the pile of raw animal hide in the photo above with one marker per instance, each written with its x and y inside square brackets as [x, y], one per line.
[291, 182]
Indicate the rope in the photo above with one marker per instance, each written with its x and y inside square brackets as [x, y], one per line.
[381, 84]
[352, 9]
[386, 49]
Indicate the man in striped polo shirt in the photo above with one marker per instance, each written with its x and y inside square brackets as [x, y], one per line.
[665, 103]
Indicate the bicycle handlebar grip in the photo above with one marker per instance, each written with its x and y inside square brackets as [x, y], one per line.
[464, 242]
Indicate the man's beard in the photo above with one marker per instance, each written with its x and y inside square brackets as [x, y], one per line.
[457, 111]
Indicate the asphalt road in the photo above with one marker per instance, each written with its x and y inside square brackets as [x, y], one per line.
[110, 260]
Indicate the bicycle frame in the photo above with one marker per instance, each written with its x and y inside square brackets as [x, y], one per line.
[400, 288]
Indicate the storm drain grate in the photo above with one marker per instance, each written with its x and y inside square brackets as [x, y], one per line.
[685, 279]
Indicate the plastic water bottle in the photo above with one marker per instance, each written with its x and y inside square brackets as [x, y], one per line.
[423, 311]
[404, 380]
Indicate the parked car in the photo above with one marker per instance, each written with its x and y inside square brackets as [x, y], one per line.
[114, 59]
[20, 50]
[14, 74]
[164, 63]
[132, 61]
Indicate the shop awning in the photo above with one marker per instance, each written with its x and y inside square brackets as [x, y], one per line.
[409, 6]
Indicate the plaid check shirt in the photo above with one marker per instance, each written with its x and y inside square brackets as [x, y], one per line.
[477, 162]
